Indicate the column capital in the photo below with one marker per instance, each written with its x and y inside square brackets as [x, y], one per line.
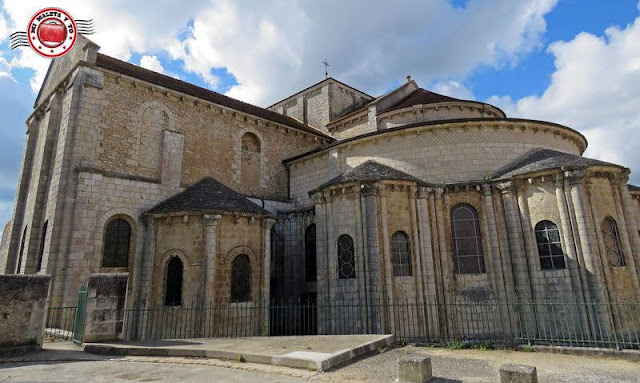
[439, 191]
[575, 176]
[486, 189]
[370, 189]
[147, 222]
[558, 180]
[423, 192]
[211, 220]
[505, 187]
[318, 198]
[268, 223]
[623, 177]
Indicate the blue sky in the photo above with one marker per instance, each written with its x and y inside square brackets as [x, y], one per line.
[575, 62]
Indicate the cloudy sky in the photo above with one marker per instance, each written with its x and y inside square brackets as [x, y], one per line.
[576, 62]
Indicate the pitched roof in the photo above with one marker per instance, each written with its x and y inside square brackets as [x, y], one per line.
[422, 96]
[207, 195]
[351, 112]
[128, 69]
[546, 159]
[634, 188]
[318, 83]
[367, 172]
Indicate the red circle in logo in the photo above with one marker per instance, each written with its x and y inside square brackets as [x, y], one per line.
[52, 32]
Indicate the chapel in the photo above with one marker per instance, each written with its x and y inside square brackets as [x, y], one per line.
[328, 195]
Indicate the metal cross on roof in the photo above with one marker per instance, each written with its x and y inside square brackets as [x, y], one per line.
[326, 68]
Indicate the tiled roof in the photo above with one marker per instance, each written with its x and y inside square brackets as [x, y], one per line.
[207, 195]
[546, 159]
[196, 91]
[634, 188]
[369, 171]
[420, 97]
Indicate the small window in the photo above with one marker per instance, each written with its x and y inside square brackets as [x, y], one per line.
[310, 253]
[400, 254]
[173, 289]
[116, 244]
[241, 279]
[611, 239]
[346, 258]
[43, 238]
[21, 253]
[549, 246]
[467, 243]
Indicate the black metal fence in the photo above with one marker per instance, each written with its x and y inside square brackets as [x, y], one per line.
[59, 324]
[569, 322]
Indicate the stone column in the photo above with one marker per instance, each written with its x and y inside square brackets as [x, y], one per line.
[148, 255]
[444, 260]
[530, 255]
[267, 225]
[625, 236]
[210, 258]
[386, 257]
[518, 256]
[630, 217]
[360, 251]
[418, 277]
[332, 263]
[588, 257]
[573, 265]
[322, 258]
[504, 293]
[371, 233]
[428, 266]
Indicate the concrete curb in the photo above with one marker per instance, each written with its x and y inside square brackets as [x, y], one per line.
[10, 352]
[631, 355]
[313, 364]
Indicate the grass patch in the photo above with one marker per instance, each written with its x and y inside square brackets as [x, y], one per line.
[527, 349]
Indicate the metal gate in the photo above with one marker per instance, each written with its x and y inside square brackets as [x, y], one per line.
[78, 326]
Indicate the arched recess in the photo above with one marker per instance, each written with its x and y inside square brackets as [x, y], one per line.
[152, 119]
[250, 159]
[233, 253]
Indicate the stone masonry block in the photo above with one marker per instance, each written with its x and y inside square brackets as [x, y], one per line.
[513, 373]
[414, 369]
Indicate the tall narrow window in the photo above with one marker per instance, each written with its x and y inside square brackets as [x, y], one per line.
[116, 244]
[241, 279]
[250, 167]
[400, 254]
[611, 239]
[549, 246]
[310, 253]
[467, 244]
[24, 236]
[43, 238]
[346, 258]
[173, 287]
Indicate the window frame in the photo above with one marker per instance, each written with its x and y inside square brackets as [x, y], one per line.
[477, 238]
[401, 260]
[237, 279]
[170, 283]
[557, 261]
[342, 262]
[310, 254]
[114, 257]
[615, 235]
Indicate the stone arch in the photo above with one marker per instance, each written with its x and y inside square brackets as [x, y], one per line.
[100, 230]
[166, 256]
[249, 168]
[231, 255]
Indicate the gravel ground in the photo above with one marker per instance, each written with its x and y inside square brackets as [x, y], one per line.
[482, 366]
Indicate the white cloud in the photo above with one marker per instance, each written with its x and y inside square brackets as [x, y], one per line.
[595, 89]
[452, 88]
[275, 48]
[151, 63]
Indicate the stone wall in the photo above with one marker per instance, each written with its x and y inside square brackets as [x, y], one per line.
[435, 153]
[4, 248]
[23, 309]
[105, 309]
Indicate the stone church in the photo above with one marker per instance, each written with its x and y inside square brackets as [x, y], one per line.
[330, 194]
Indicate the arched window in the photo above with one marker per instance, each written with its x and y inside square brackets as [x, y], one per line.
[116, 244]
[549, 246]
[310, 253]
[241, 279]
[173, 287]
[467, 244]
[21, 253]
[250, 166]
[43, 238]
[611, 239]
[400, 254]
[346, 258]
